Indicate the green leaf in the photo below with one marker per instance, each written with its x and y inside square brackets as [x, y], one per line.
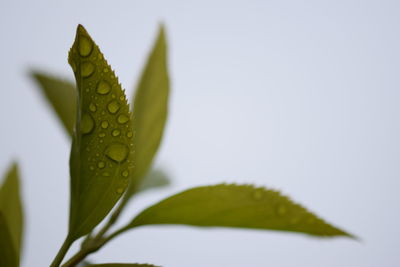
[61, 94]
[122, 265]
[8, 255]
[102, 148]
[242, 206]
[11, 208]
[155, 178]
[150, 110]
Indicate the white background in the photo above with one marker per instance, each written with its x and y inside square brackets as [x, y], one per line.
[301, 96]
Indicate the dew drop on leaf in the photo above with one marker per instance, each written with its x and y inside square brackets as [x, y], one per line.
[102, 135]
[104, 124]
[120, 190]
[117, 152]
[85, 46]
[122, 118]
[115, 132]
[87, 123]
[92, 107]
[129, 134]
[103, 88]
[125, 174]
[101, 164]
[113, 107]
[87, 69]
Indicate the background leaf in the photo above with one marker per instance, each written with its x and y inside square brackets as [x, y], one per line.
[150, 110]
[155, 178]
[8, 254]
[11, 208]
[102, 147]
[122, 265]
[61, 94]
[241, 206]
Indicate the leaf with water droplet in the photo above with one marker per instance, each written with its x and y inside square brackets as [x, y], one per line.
[122, 265]
[150, 110]
[11, 219]
[241, 206]
[61, 94]
[93, 194]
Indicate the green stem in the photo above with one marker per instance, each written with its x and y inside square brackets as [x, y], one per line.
[61, 253]
[92, 246]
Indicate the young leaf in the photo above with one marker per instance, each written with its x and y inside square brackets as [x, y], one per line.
[11, 208]
[61, 94]
[122, 265]
[155, 178]
[150, 110]
[8, 254]
[241, 206]
[102, 148]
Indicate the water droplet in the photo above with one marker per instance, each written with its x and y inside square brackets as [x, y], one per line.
[91, 168]
[113, 96]
[92, 107]
[87, 123]
[258, 194]
[85, 46]
[122, 118]
[115, 132]
[101, 164]
[103, 88]
[120, 190]
[281, 210]
[122, 98]
[106, 174]
[129, 134]
[117, 152]
[105, 70]
[87, 69]
[104, 124]
[125, 173]
[113, 107]
[102, 135]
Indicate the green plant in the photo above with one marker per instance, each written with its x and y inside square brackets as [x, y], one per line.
[112, 151]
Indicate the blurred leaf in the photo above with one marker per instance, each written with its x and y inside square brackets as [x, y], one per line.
[11, 208]
[102, 147]
[61, 94]
[122, 265]
[155, 178]
[8, 255]
[241, 206]
[150, 110]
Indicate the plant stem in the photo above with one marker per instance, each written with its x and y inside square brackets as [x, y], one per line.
[61, 253]
[92, 246]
